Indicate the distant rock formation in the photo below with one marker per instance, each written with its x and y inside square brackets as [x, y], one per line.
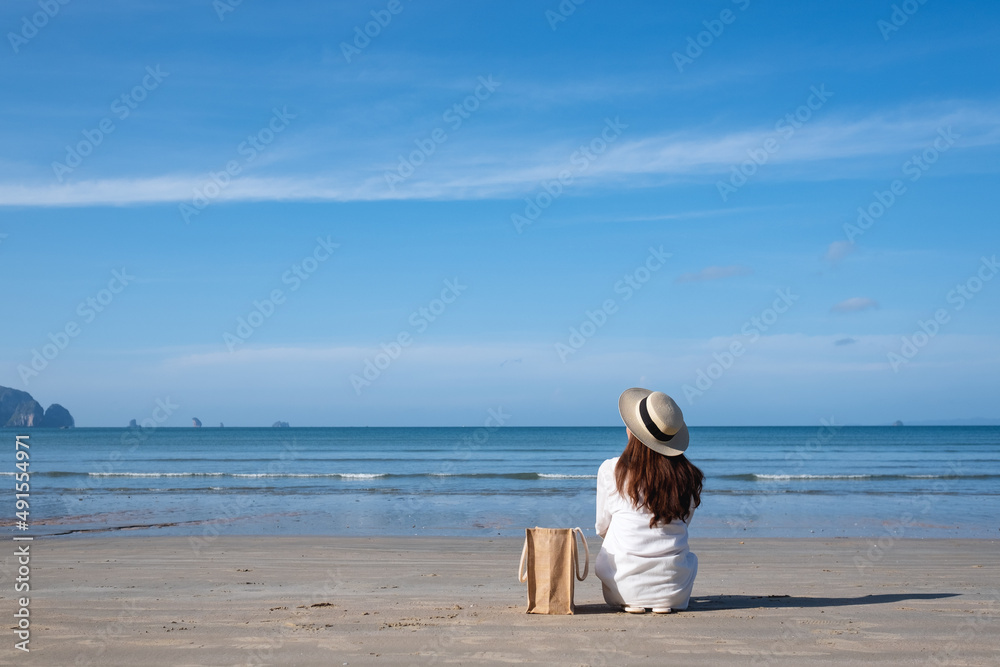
[27, 414]
[897, 423]
[19, 410]
[132, 424]
[280, 425]
[58, 417]
[195, 422]
[221, 425]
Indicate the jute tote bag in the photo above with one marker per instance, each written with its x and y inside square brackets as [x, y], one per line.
[548, 562]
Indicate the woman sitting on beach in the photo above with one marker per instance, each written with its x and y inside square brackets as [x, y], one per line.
[645, 500]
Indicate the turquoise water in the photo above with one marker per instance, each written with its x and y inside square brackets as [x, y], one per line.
[760, 481]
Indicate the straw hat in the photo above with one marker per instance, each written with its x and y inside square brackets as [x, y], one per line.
[655, 419]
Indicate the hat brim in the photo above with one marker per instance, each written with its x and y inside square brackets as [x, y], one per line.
[628, 404]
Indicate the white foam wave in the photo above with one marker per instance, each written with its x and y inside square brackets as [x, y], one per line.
[555, 476]
[252, 475]
[156, 474]
[790, 477]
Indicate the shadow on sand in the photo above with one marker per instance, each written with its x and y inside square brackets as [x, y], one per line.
[717, 602]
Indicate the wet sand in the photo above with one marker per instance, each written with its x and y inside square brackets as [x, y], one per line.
[391, 601]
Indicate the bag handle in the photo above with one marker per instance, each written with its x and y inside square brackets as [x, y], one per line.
[522, 569]
[586, 551]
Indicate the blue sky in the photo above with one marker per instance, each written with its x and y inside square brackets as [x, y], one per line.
[204, 154]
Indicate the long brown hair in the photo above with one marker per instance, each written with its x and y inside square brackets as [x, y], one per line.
[666, 486]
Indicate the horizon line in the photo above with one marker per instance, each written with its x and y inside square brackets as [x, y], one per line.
[922, 423]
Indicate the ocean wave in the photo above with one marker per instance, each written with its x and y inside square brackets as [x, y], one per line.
[156, 474]
[781, 477]
[251, 475]
[791, 477]
[526, 476]
[342, 475]
[502, 475]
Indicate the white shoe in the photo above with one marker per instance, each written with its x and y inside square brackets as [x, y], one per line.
[662, 610]
[635, 610]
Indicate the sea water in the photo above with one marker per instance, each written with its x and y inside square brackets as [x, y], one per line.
[823, 481]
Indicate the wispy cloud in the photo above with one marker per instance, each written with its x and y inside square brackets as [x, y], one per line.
[838, 250]
[854, 305]
[714, 273]
[492, 170]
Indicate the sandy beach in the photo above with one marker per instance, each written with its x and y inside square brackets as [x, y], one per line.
[388, 601]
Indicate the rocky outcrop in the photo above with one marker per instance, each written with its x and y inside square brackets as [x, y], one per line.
[19, 410]
[280, 425]
[132, 424]
[56, 416]
[195, 422]
[27, 414]
[11, 401]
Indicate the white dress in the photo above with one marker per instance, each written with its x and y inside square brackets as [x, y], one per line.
[638, 565]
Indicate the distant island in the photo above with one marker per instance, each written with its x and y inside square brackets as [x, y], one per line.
[19, 410]
[280, 425]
